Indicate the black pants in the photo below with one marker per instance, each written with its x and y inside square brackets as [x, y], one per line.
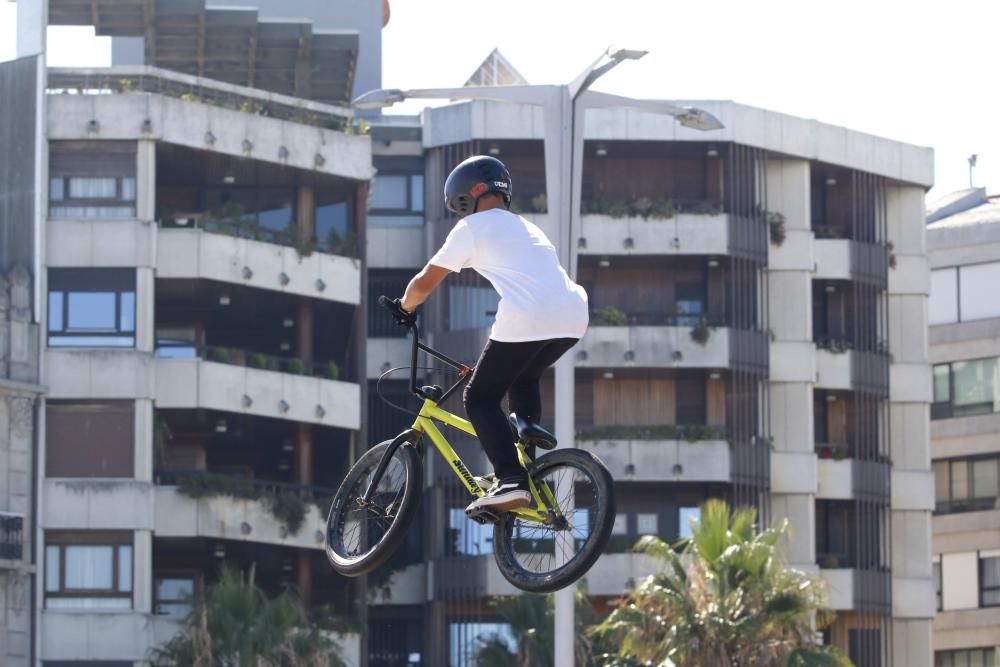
[513, 369]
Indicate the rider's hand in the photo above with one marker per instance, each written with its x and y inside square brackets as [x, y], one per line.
[404, 317]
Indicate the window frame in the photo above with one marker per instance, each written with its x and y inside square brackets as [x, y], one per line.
[948, 409]
[970, 502]
[991, 589]
[118, 201]
[67, 281]
[409, 210]
[196, 588]
[113, 539]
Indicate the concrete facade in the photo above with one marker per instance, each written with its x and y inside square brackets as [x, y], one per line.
[963, 237]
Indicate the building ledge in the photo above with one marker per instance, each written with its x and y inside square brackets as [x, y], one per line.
[651, 347]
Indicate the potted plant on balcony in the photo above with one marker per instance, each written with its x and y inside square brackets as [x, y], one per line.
[610, 316]
[296, 367]
[222, 355]
[701, 332]
[257, 361]
[332, 370]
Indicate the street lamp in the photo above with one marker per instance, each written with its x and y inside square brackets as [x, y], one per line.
[563, 146]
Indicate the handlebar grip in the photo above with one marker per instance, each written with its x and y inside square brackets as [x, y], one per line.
[400, 315]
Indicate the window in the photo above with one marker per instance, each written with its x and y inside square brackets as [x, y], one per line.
[468, 538]
[91, 308]
[92, 180]
[88, 570]
[864, 647]
[989, 581]
[690, 302]
[685, 516]
[397, 200]
[977, 657]
[834, 534]
[691, 403]
[938, 582]
[90, 439]
[174, 595]
[966, 485]
[964, 388]
[647, 524]
[964, 293]
[465, 640]
[943, 304]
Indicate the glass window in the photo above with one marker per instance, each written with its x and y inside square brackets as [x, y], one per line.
[686, 515]
[620, 526]
[977, 291]
[467, 537]
[174, 595]
[56, 189]
[89, 567]
[471, 307]
[83, 571]
[93, 311]
[389, 192]
[92, 308]
[978, 657]
[942, 383]
[128, 189]
[942, 481]
[417, 192]
[985, 480]
[977, 387]
[989, 582]
[959, 479]
[93, 188]
[647, 524]
[943, 304]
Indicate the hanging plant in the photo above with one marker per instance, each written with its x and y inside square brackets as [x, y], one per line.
[776, 225]
[701, 332]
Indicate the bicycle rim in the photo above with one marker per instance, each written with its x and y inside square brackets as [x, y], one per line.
[361, 527]
[540, 549]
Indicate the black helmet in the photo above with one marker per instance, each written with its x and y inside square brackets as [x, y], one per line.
[472, 179]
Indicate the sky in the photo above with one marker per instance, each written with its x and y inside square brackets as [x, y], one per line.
[915, 71]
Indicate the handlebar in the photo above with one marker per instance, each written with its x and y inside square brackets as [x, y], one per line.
[409, 320]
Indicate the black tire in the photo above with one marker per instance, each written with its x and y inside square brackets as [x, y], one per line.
[398, 495]
[589, 471]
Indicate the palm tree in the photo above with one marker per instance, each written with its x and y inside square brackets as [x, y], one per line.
[532, 619]
[236, 625]
[727, 599]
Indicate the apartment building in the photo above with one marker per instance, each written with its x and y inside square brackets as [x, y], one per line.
[759, 299]
[196, 257]
[963, 238]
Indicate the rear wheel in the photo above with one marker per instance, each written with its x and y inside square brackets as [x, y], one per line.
[540, 558]
[361, 536]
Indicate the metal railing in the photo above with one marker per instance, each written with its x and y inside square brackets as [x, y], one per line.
[11, 536]
[127, 79]
[251, 230]
[959, 506]
[262, 487]
[166, 349]
[605, 317]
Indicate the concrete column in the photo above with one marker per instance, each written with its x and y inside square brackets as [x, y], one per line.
[910, 394]
[793, 361]
[145, 449]
[145, 180]
[145, 307]
[142, 569]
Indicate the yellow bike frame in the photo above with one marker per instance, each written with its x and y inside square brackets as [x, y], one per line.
[543, 510]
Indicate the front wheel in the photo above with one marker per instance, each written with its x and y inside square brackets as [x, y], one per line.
[361, 536]
[540, 558]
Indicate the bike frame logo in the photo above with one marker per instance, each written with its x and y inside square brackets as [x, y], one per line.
[464, 472]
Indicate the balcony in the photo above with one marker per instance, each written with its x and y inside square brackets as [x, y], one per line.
[681, 234]
[695, 346]
[839, 588]
[207, 249]
[674, 460]
[98, 504]
[105, 635]
[838, 367]
[405, 586]
[255, 384]
[134, 102]
[11, 540]
[234, 508]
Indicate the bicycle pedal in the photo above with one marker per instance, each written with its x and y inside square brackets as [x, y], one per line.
[482, 516]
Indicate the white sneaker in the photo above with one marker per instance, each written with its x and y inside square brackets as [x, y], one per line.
[507, 495]
[486, 482]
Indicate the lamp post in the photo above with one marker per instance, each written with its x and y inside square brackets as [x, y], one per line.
[563, 147]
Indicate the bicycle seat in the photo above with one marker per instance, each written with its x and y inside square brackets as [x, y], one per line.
[531, 433]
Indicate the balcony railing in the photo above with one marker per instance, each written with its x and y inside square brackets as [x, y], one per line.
[649, 208]
[690, 433]
[966, 505]
[237, 227]
[611, 316]
[169, 349]
[142, 79]
[11, 536]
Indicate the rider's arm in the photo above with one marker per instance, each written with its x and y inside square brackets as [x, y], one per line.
[422, 285]
[455, 255]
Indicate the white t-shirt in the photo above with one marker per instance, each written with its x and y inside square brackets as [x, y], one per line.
[538, 301]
